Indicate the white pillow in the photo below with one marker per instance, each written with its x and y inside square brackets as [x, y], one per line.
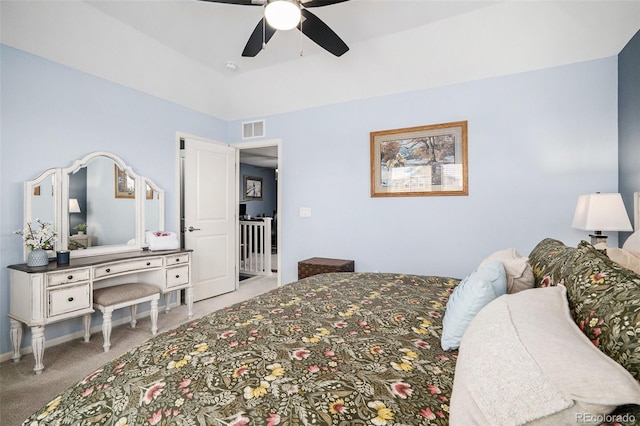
[523, 359]
[519, 272]
[472, 294]
[632, 243]
[625, 258]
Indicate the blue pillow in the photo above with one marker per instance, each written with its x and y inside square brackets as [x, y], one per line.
[473, 293]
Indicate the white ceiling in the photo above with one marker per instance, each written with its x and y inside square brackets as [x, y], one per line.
[266, 157]
[177, 50]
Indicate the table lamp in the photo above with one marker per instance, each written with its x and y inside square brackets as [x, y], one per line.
[74, 207]
[601, 212]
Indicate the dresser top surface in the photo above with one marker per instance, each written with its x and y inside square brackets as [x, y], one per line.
[94, 260]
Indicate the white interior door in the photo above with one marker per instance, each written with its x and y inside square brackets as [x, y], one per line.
[209, 210]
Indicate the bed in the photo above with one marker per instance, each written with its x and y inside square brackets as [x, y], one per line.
[339, 348]
[551, 338]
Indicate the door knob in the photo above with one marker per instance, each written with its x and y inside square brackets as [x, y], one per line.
[191, 229]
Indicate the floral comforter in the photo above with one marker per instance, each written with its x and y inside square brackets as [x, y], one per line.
[332, 349]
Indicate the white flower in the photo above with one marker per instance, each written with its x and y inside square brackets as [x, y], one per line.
[41, 237]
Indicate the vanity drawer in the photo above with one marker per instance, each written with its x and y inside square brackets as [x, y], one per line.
[68, 277]
[119, 267]
[177, 276]
[69, 299]
[178, 259]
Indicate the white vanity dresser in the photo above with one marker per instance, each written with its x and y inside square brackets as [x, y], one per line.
[118, 207]
[47, 294]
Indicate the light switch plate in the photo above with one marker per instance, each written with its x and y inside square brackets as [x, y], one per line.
[305, 212]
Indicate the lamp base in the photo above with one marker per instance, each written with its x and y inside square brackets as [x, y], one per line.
[598, 238]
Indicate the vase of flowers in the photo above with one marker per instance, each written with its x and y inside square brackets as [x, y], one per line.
[39, 237]
[81, 228]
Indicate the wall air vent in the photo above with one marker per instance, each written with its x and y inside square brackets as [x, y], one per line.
[253, 129]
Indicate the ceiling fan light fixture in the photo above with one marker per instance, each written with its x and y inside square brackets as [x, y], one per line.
[282, 14]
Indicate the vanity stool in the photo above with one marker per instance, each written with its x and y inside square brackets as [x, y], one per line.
[108, 299]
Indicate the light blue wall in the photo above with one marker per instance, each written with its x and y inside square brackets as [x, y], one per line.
[537, 141]
[629, 122]
[52, 115]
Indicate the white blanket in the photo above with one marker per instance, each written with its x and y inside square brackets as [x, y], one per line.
[521, 392]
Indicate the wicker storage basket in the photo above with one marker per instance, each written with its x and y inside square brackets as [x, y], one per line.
[321, 265]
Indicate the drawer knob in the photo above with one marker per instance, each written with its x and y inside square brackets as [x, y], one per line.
[70, 277]
[177, 276]
[148, 263]
[108, 269]
[178, 260]
[70, 299]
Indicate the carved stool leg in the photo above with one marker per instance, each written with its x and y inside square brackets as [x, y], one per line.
[37, 344]
[106, 328]
[16, 338]
[154, 316]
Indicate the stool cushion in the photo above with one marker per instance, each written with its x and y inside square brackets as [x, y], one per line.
[121, 293]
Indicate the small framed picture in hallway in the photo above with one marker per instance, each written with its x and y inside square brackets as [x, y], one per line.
[252, 188]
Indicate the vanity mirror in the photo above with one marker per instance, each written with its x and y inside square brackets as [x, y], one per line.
[98, 205]
[42, 200]
[41, 196]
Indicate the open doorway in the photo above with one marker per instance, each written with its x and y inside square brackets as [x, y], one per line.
[259, 208]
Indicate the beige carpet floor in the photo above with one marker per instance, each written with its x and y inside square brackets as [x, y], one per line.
[22, 392]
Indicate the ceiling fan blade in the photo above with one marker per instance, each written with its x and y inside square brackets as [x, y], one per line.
[240, 2]
[254, 45]
[321, 34]
[320, 3]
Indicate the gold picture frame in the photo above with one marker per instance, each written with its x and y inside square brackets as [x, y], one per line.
[420, 161]
[125, 187]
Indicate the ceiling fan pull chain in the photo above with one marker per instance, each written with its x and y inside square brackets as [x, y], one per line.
[264, 30]
[301, 52]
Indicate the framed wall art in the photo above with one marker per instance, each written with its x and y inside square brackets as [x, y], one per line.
[420, 161]
[252, 188]
[124, 185]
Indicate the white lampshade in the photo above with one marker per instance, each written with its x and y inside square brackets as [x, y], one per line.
[74, 207]
[282, 14]
[601, 212]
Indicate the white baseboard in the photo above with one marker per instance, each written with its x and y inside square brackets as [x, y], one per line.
[80, 333]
